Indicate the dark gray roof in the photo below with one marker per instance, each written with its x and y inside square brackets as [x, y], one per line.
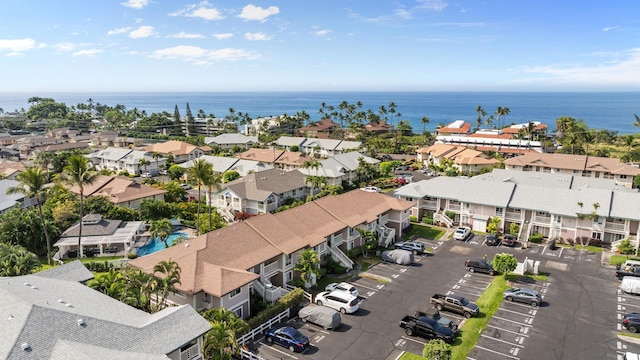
[258, 186]
[50, 315]
[72, 271]
[103, 228]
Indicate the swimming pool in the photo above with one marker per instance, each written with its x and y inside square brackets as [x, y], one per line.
[156, 244]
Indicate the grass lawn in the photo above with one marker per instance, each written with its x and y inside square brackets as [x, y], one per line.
[620, 259]
[410, 356]
[590, 248]
[423, 231]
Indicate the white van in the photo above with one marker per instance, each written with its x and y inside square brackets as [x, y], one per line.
[630, 285]
[630, 264]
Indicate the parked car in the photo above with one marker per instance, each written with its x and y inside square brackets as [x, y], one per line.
[320, 315]
[509, 240]
[480, 265]
[630, 356]
[414, 246]
[523, 295]
[371, 189]
[492, 240]
[630, 285]
[397, 256]
[145, 175]
[454, 303]
[342, 286]
[462, 233]
[427, 327]
[288, 337]
[338, 300]
[631, 322]
[185, 186]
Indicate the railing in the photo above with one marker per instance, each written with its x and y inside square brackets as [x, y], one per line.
[306, 295]
[270, 292]
[442, 218]
[246, 354]
[262, 327]
[614, 226]
[270, 269]
[342, 257]
[510, 215]
[429, 204]
[454, 207]
[191, 353]
[542, 219]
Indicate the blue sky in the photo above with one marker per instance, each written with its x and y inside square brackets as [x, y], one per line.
[309, 45]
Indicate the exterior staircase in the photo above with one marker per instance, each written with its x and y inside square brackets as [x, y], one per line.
[441, 218]
[338, 255]
[226, 214]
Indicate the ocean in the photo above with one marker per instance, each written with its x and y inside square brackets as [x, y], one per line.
[600, 110]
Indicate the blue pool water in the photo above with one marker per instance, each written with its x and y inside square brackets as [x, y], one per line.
[156, 245]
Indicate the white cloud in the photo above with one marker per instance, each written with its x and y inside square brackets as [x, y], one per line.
[142, 32]
[203, 10]
[437, 5]
[117, 31]
[64, 47]
[136, 4]
[610, 28]
[87, 52]
[322, 32]
[199, 55]
[184, 35]
[402, 13]
[257, 36]
[252, 12]
[17, 45]
[623, 71]
[223, 36]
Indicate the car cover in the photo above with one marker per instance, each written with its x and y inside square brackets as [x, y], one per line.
[398, 256]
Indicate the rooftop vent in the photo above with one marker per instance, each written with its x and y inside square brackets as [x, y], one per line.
[26, 347]
[27, 284]
[81, 323]
[61, 301]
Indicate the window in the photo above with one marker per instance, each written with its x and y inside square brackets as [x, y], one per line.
[596, 235]
[235, 292]
[557, 219]
[238, 312]
[288, 259]
[289, 276]
[499, 211]
[623, 176]
[206, 298]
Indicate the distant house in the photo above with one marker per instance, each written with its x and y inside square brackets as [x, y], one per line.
[264, 156]
[229, 141]
[10, 201]
[121, 191]
[125, 159]
[10, 169]
[53, 315]
[262, 192]
[341, 168]
[458, 127]
[465, 159]
[380, 127]
[180, 150]
[318, 147]
[578, 165]
[222, 164]
[320, 129]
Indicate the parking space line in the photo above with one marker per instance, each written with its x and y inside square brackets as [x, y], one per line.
[511, 331]
[414, 340]
[366, 287]
[497, 352]
[526, 306]
[502, 341]
[475, 287]
[516, 312]
[632, 305]
[277, 350]
[463, 292]
[512, 321]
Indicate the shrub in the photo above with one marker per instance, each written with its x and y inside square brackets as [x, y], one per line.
[290, 300]
[427, 220]
[451, 215]
[132, 255]
[413, 218]
[626, 248]
[535, 238]
[104, 266]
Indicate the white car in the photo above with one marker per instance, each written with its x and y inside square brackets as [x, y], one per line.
[343, 286]
[371, 189]
[338, 300]
[462, 233]
[145, 175]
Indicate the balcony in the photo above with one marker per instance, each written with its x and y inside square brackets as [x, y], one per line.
[270, 269]
[429, 204]
[614, 226]
[541, 219]
[454, 207]
[514, 216]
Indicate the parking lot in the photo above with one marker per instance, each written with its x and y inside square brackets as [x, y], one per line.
[579, 318]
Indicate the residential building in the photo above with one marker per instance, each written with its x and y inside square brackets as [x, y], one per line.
[466, 160]
[222, 164]
[100, 235]
[11, 201]
[320, 129]
[318, 147]
[121, 191]
[572, 207]
[55, 148]
[578, 165]
[341, 168]
[224, 267]
[458, 127]
[10, 169]
[180, 150]
[125, 159]
[379, 127]
[53, 315]
[262, 192]
[263, 156]
[229, 141]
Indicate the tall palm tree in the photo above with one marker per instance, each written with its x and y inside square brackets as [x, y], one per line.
[481, 114]
[628, 141]
[424, 121]
[79, 172]
[502, 112]
[307, 265]
[156, 156]
[32, 183]
[219, 341]
[200, 173]
[212, 182]
[143, 163]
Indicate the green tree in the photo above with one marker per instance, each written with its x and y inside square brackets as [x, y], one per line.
[230, 176]
[175, 172]
[493, 227]
[219, 342]
[79, 173]
[637, 122]
[177, 121]
[174, 192]
[155, 210]
[365, 171]
[168, 277]
[15, 260]
[143, 163]
[505, 263]
[437, 349]
[32, 183]
[200, 173]
[424, 121]
[308, 265]
[190, 121]
[212, 182]
[161, 229]
[626, 248]
[480, 119]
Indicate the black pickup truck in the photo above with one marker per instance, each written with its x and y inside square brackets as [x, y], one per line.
[427, 327]
[634, 271]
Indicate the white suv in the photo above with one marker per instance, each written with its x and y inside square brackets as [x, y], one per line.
[462, 233]
[338, 300]
[343, 286]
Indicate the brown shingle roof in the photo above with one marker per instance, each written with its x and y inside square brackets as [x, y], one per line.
[173, 147]
[118, 189]
[463, 129]
[262, 155]
[574, 162]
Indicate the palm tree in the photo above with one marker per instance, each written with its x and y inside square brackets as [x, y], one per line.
[212, 182]
[481, 114]
[425, 121]
[637, 122]
[502, 112]
[219, 342]
[32, 183]
[307, 265]
[16, 260]
[143, 163]
[628, 140]
[79, 172]
[169, 277]
[200, 173]
[156, 156]
[161, 229]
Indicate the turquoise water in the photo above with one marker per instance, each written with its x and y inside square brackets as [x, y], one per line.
[156, 245]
